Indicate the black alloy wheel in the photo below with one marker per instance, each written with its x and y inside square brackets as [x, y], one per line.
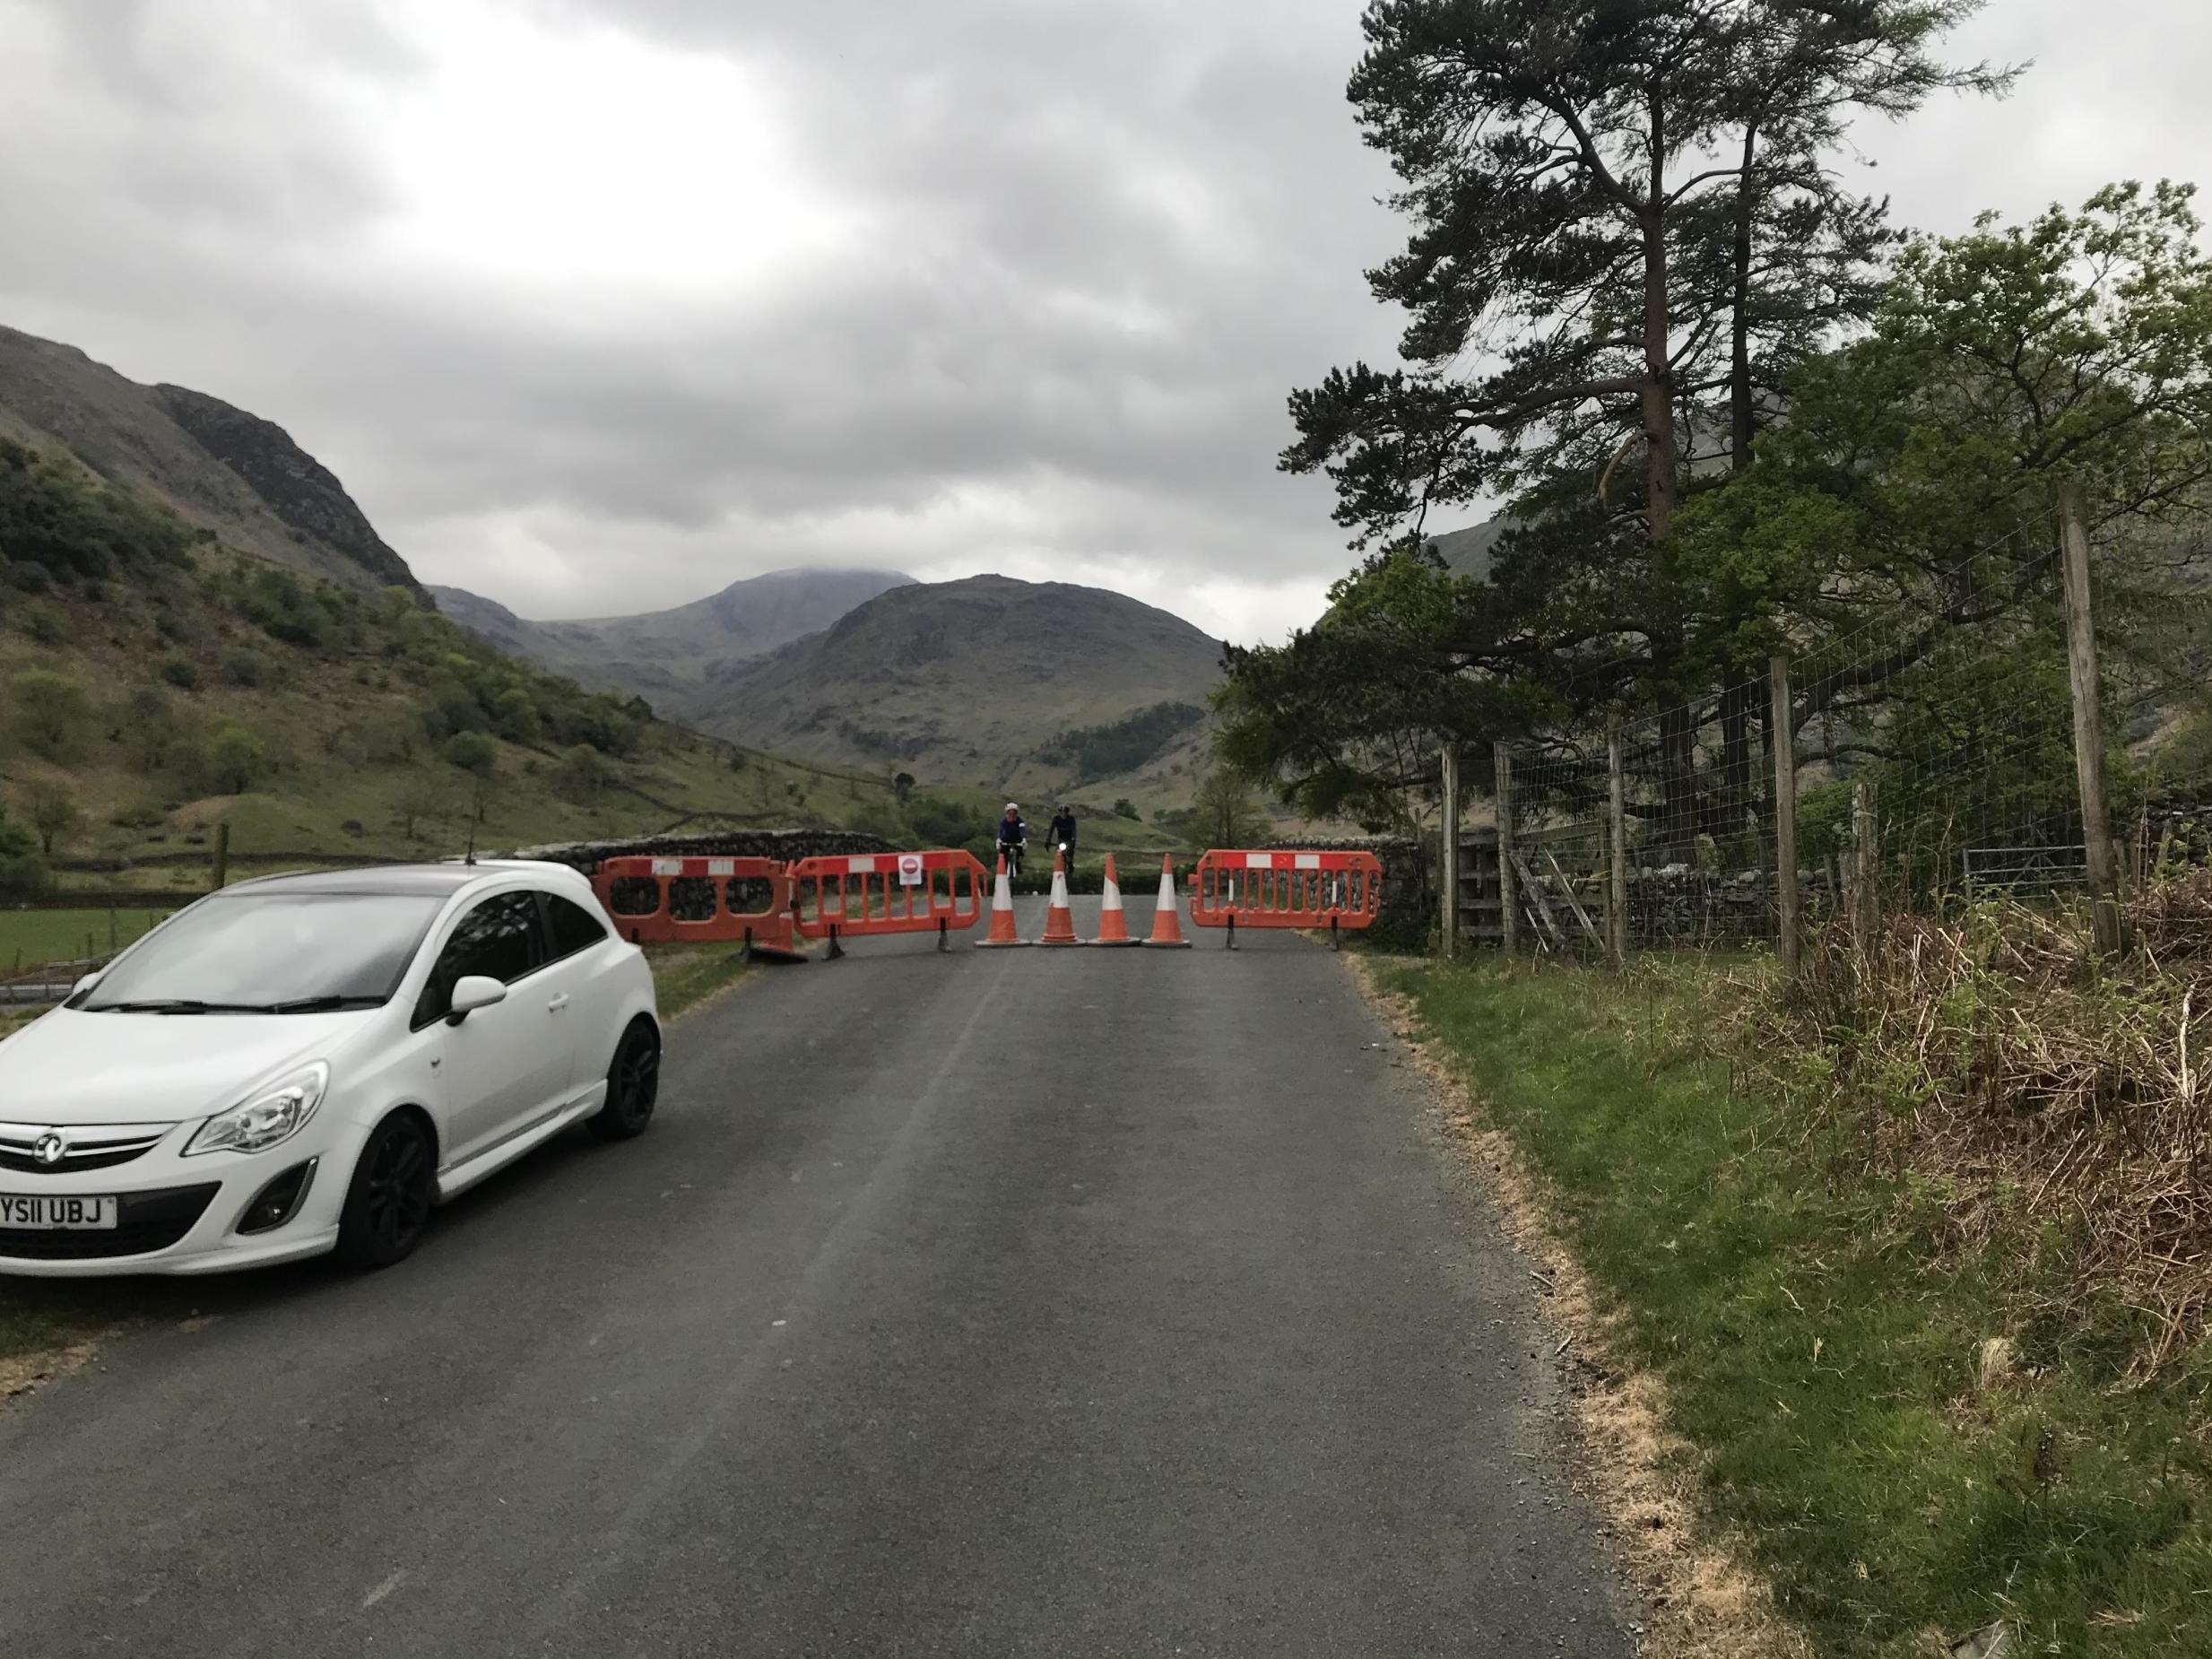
[395, 1185]
[633, 1085]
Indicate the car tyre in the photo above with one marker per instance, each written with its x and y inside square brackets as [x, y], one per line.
[633, 1085]
[388, 1204]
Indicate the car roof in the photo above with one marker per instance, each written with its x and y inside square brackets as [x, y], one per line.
[429, 881]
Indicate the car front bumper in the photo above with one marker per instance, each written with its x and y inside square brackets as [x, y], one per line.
[178, 1215]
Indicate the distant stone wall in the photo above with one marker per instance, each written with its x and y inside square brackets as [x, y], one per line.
[785, 844]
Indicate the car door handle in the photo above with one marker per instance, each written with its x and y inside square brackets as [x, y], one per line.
[559, 1002]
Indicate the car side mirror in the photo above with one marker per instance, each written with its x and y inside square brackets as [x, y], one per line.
[472, 992]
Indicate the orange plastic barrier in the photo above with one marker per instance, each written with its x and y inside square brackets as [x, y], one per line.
[889, 893]
[1232, 889]
[707, 900]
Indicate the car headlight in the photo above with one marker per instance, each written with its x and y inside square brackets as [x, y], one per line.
[272, 1115]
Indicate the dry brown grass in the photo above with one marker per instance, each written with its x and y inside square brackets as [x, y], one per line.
[2063, 1099]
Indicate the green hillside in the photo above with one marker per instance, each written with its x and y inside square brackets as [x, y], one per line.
[155, 680]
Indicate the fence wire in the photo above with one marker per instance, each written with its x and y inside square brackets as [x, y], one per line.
[1939, 702]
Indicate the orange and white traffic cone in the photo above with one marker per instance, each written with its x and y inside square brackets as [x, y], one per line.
[1167, 923]
[1002, 912]
[1059, 919]
[1113, 927]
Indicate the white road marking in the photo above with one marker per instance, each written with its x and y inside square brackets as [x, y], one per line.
[383, 1590]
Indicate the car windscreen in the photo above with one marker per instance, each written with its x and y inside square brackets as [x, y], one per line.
[270, 952]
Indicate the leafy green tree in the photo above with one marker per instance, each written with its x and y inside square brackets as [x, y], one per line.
[236, 759]
[581, 775]
[1124, 807]
[473, 752]
[515, 716]
[53, 812]
[1632, 219]
[23, 872]
[52, 711]
[1225, 813]
[421, 802]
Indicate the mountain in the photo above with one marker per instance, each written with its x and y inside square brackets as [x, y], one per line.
[667, 656]
[970, 683]
[217, 467]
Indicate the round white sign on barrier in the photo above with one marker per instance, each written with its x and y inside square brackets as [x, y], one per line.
[910, 869]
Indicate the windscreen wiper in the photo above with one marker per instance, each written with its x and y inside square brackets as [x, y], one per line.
[176, 1005]
[324, 1004]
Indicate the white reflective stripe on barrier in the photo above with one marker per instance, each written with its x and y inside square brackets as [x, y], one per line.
[1309, 861]
[1259, 861]
[859, 866]
[722, 866]
[668, 866]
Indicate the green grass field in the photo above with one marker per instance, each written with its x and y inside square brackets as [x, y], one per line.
[29, 937]
[1819, 1344]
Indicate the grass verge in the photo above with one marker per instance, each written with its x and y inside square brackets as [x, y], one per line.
[1821, 1339]
[48, 1325]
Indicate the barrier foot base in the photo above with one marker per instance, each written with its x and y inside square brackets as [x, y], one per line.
[943, 943]
[776, 955]
[1231, 943]
[1001, 944]
[1164, 945]
[1335, 941]
[836, 950]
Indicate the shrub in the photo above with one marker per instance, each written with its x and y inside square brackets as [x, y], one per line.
[515, 716]
[140, 815]
[181, 672]
[47, 625]
[473, 752]
[54, 813]
[22, 870]
[241, 666]
[51, 710]
[235, 759]
[1124, 807]
[581, 776]
[29, 578]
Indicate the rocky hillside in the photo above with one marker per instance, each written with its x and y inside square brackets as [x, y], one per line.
[218, 468]
[672, 657]
[977, 681]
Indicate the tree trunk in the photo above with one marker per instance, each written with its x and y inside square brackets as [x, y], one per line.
[1660, 454]
[1740, 414]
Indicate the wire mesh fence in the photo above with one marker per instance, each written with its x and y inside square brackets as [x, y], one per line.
[1929, 749]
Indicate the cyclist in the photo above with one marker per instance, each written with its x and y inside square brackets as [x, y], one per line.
[1013, 832]
[1063, 833]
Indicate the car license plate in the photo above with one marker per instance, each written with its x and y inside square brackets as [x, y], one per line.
[48, 1213]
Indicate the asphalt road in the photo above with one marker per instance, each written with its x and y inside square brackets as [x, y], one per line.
[1079, 1303]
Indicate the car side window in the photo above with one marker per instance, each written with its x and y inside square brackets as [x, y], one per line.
[502, 938]
[574, 928]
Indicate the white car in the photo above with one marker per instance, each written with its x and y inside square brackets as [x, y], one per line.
[311, 1063]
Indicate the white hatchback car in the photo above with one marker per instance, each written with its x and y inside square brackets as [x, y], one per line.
[309, 1063]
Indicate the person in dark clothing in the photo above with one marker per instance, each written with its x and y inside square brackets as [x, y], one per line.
[1013, 832]
[1063, 832]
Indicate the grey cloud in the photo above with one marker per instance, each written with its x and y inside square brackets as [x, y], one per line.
[1101, 242]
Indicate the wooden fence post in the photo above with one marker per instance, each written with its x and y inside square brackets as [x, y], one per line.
[1508, 900]
[1448, 852]
[1781, 740]
[1865, 831]
[222, 854]
[1616, 835]
[2081, 671]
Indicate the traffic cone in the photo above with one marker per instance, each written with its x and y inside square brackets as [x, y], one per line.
[1002, 912]
[1059, 920]
[1113, 928]
[1167, 923]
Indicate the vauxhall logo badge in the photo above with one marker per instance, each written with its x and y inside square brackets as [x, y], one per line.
[49, 1148]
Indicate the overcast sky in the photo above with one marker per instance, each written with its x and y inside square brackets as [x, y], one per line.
[597, 305]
